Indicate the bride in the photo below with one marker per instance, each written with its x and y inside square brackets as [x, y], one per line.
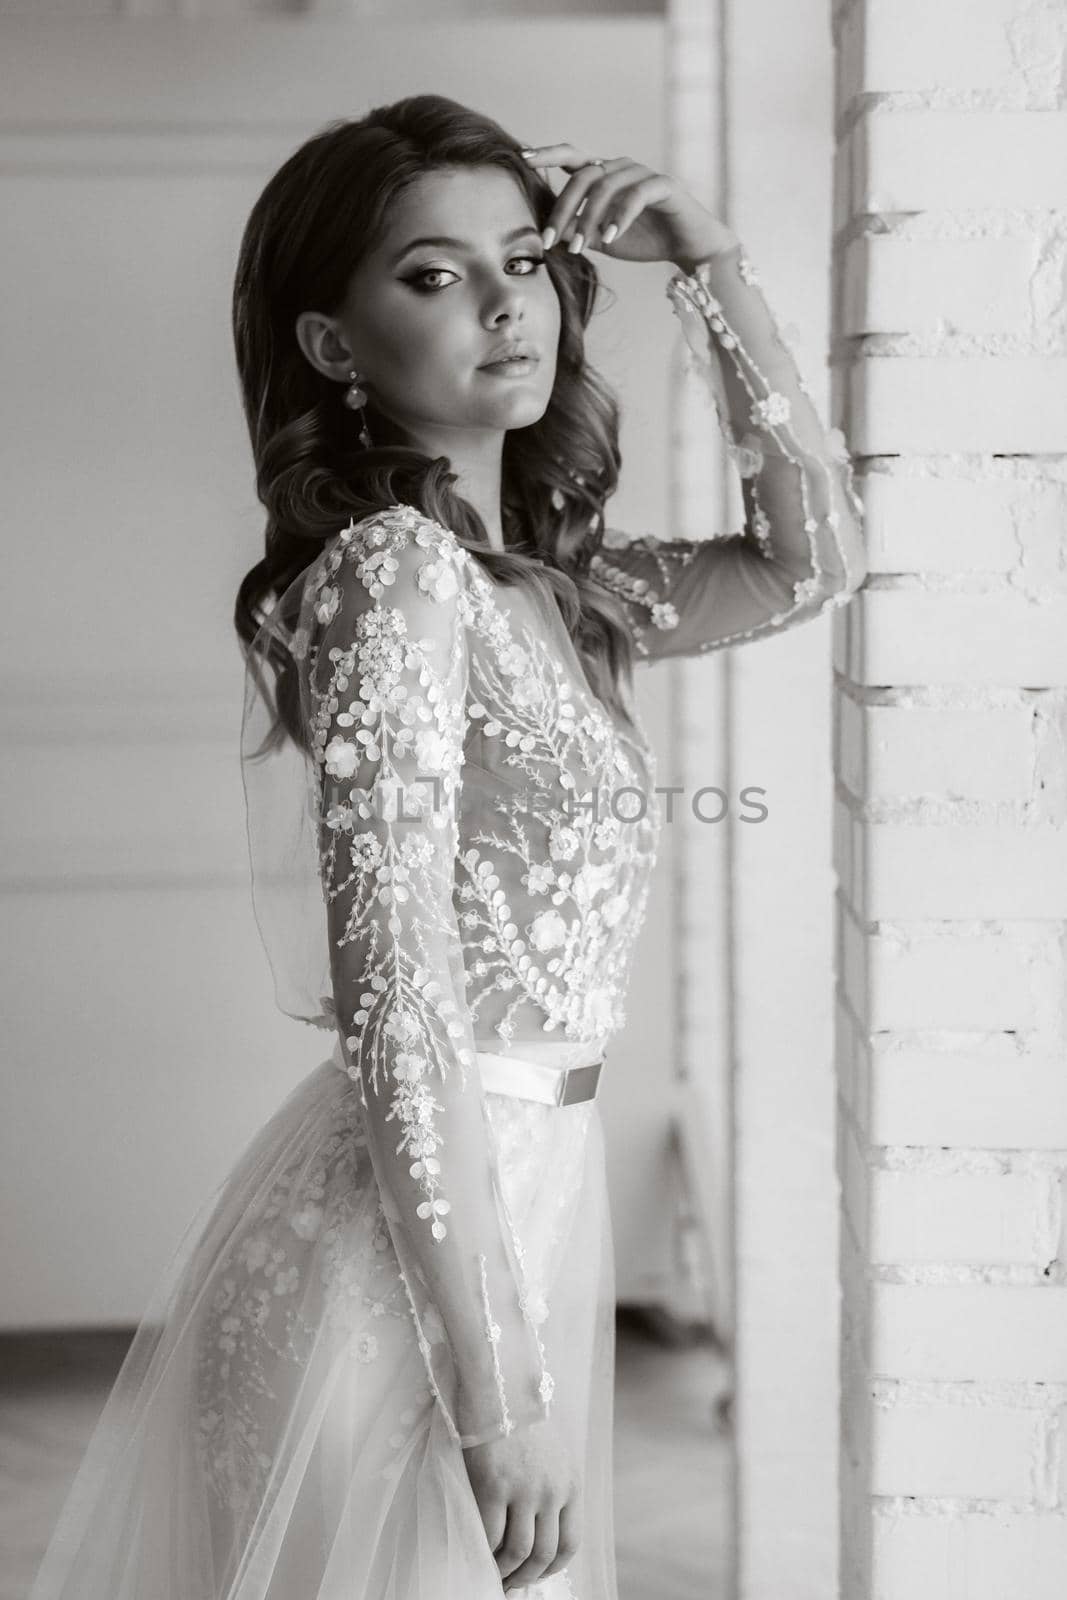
[380, 1364]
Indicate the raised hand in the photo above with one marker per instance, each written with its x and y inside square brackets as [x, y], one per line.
[626, 210]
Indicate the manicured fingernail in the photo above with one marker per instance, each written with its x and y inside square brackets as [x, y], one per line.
[548, 238]
[532, 152]
[609, 232]
[576, 244]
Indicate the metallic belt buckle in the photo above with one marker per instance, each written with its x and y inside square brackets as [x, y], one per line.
[579, 1083]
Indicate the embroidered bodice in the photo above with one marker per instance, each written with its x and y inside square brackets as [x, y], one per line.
[485, 830]
[522, 818]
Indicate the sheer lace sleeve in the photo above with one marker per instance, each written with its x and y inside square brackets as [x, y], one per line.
[388, 670]
[801, 549]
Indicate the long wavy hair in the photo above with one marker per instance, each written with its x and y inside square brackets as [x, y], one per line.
[320, 213]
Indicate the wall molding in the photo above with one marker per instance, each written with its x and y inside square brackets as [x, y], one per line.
[108, 717]
[144, 151]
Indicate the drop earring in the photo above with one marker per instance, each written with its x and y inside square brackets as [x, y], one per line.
[356, 398]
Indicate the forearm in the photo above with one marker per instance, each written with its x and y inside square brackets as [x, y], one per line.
[800, 505]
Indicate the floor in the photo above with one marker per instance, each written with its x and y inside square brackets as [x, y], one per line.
[673, 1466]
[672, 1453]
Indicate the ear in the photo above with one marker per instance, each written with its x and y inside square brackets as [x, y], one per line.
[323, 343]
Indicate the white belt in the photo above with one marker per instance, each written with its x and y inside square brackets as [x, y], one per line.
[531, 1080]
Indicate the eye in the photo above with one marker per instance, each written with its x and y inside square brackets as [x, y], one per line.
[532, 261]
[416, 279]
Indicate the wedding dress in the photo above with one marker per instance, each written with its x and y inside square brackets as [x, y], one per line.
[414, 1254]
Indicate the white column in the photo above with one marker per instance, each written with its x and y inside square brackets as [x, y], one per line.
[751, 106]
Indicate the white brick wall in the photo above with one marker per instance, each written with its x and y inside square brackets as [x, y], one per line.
[950, 827]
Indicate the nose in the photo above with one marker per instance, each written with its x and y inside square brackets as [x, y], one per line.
[506, 302]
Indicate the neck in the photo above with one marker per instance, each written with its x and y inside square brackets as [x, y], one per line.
[476, 460]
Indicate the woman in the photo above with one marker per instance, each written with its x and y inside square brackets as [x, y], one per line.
[381, 1365]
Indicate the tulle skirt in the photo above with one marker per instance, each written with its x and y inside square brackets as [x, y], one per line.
[271, 1434]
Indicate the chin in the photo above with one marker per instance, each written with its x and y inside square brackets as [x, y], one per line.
[520, 411]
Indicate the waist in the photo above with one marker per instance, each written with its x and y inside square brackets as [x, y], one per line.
[537, 1080]
[554, 1072]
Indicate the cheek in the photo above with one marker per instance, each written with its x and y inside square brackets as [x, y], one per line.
[552, 322]
[407, 342]
[424, 353]
[408, 351]
[547, 307]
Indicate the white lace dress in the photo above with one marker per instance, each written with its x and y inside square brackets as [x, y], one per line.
[406, 1261]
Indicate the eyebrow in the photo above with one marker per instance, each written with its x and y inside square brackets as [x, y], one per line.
[461, 244]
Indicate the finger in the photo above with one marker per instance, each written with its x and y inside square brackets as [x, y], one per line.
[645, 193]
[518, 1539]
[568, 156]
[606, 199]
[572, 199]
[568, 1539]
[494, 1515]
[546, 1539]
[569, 202]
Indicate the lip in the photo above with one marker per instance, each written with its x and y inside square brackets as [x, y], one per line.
[512, 367]
[513, 350]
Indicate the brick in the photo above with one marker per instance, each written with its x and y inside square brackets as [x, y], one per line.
[858, 1412]
[848, 1058]
[848, 733]
[848, 61]
[950, 1030]
[843, 838]
[939, 405]
[850, 961]
[893, 45]
[985, 1452]
[919, 522]
[894, 284]
[894, 753]
[860, 1075]
[854, 1532]
[855, 1383]
[969, 1332]
[938, 160]
[854, 1178]
[998, 1555]
[987, 1097]
[1008, 977]
[904, 637]
[841, 192]
[943, 979]
[960, 1218]
[843, 646]
[978, 872]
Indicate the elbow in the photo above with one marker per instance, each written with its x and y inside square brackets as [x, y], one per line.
[842, 589]
[851, 583]
[832, 586]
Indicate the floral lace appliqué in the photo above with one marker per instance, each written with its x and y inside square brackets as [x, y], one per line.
[314, 1257]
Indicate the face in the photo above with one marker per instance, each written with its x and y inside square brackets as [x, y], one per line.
[456, 278]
